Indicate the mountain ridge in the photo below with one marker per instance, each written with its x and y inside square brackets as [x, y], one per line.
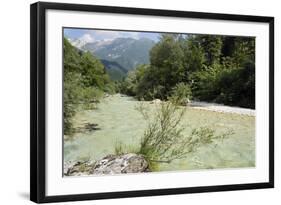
[119, 55]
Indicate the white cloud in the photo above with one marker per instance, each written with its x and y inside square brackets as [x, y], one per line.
[110, 35]
[83, 40]
[100, 35]
[87, 38]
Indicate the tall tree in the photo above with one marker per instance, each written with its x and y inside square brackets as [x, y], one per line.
[167, 59]
[212, 46]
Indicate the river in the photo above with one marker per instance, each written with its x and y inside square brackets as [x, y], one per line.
[118, 121]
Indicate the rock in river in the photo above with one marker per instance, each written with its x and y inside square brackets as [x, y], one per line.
[111, 164]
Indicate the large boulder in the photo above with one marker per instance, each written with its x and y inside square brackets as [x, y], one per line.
[111, 164]
[78, 168]
[118, 164]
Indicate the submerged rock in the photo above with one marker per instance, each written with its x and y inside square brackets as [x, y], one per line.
[111, 164]
[87, 127]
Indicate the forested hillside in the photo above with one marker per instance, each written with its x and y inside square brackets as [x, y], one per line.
[203, 67]
[119, 55]
[213, 68]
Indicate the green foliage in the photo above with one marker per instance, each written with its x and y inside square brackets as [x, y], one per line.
[194, 55]
[181, 94]
[167, 60]
[71, 57]
[230, 82]
[148, 87]
[216, 68]
[212, 46]
[237, 86]
[85, 81]
[163, 140]
[120, 148]
[156, 80]
[205, 83]
[70, 98]
[131, 85]
[93, 71]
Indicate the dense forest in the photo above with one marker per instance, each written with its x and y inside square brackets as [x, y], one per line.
[202, 67]
[207, 67]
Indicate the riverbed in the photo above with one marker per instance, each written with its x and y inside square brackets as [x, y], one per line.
[117, 121]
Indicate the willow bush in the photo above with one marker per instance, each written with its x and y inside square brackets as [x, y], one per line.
[164, 141]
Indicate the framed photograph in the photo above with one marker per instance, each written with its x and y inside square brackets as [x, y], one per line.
[129, 102]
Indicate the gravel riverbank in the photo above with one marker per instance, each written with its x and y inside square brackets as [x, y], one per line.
[222, 108]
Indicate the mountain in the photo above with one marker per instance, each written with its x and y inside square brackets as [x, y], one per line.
[115, 71]
[121, 54]
[78, 43]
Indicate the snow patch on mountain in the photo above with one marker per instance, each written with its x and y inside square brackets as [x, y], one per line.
[82, 41]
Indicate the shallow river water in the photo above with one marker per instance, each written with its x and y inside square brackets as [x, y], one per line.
[119, 121]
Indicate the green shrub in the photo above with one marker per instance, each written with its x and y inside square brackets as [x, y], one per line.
[163, 140]
[205, 83]
[237, 86]
[120, 148]
[181, 94]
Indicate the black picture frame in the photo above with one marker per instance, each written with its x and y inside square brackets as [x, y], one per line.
[38, 101]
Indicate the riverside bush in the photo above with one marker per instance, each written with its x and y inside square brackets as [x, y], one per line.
[163, 140]
[181, 94]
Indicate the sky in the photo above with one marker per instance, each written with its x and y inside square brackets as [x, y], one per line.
[92, 35]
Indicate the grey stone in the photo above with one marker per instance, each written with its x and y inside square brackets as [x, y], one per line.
[111, 164]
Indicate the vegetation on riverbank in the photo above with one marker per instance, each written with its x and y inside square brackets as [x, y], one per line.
[216, 68]
[163, 140]
[206, 67]
[182, 67]
[85, 82]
